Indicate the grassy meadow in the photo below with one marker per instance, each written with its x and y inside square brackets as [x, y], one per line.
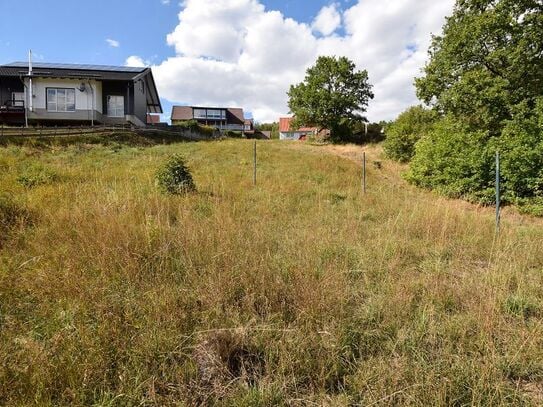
[300, 291]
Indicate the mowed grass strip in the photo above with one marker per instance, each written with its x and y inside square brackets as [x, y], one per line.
[299, 291]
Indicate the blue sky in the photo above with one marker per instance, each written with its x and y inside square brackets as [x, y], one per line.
[140, 27]
[231, 52]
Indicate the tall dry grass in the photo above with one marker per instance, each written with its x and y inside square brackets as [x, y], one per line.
[301, 291]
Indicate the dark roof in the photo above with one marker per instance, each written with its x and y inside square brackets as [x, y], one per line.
[42, 69]
[97, 72]
[233, 114]
[182, 113]
[237, 112]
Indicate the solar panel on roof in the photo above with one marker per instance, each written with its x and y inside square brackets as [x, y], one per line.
[76, 66]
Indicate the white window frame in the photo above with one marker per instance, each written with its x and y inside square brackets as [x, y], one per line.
[115, 111]
[18, 102]
[200, 114]
[49, 102]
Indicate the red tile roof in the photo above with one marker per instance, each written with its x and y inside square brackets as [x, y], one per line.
[285, 122]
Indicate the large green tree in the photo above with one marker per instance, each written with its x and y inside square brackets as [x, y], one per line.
[488, 60]
[485, 76]
[333, 92]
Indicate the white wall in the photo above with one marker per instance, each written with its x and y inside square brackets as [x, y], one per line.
[292, 135]
[83, 100]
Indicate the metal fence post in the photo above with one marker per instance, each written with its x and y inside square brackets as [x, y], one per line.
[498, 192]
[254, 164]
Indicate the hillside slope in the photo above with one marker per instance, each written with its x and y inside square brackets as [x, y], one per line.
[299, 291]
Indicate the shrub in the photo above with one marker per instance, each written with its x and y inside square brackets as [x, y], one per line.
[521, 152]
[456, 162]
[189, 124]
[174, 177]
[409, 127]
[460, 162]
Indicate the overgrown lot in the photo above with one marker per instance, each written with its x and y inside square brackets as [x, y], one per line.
[299, 291]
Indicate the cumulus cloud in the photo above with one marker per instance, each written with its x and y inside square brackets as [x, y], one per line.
[328, 20]
[113, 43]
[238, 53]
[136, 62]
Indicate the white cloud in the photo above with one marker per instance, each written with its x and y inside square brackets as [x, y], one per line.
[328, 20]
[165, 2]
[237, 53]
[136, 61]
[113, 43]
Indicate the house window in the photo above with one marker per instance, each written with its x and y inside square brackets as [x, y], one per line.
[18, 99]
[115, 106]
[60, 100]
[200, 113]
[215, 114]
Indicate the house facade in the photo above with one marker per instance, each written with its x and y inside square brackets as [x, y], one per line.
[76, 94]
[287, 132]
[222, 118]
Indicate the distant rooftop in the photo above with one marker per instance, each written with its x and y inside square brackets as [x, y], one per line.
[83, 67]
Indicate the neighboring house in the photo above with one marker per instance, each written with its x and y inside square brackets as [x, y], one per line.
[249, 125]
[69, 94]
[223, 118]
[286, 132]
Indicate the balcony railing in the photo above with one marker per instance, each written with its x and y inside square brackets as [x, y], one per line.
[13, 105]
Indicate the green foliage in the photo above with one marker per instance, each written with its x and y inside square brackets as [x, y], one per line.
[521, 151]
[455, 161]
[35, 175]
[331, 92]
[485, 75]
[174, 177]
[409, 127]
[488, 60]
[459, 162]
[187, 124]
[273, 127]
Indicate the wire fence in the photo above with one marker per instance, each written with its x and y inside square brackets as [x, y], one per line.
[67, 131]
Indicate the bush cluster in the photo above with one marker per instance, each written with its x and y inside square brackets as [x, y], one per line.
[403, 134]
[174, 177]
[459, 161]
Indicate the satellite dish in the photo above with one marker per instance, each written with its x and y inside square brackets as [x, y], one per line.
[82, 87]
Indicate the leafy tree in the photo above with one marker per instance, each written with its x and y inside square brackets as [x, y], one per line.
[332, 92]
[409, 127]
[489, 59]
[273, 127]
[485, 76]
